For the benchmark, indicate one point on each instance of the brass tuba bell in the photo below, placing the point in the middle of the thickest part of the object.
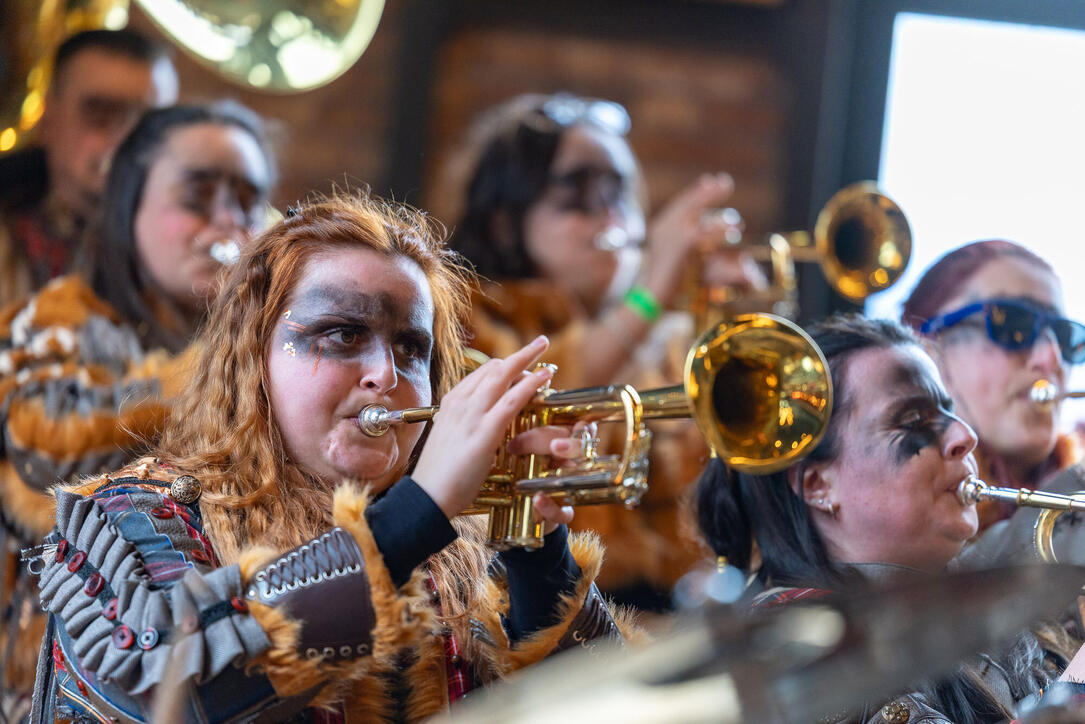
(281, 46)
(758, 388)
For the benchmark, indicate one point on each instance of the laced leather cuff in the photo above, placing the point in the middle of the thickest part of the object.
(322, 584)
(592, 624)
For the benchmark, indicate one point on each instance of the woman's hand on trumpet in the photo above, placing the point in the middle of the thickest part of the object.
(474, 417)
(561, 444)
(472, 422)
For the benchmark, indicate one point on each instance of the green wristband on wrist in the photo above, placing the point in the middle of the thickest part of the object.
(644, 304)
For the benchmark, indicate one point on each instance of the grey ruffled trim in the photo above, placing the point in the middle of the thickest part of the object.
(201, 654)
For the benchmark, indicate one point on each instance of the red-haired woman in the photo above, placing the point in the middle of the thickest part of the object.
(270, 533)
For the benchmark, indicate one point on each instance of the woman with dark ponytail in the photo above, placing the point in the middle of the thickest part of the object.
(875, 501)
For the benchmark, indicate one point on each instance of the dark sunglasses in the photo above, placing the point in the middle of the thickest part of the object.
(589, 189)
(1015, 325)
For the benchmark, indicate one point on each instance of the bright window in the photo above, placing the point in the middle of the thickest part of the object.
(985, 138)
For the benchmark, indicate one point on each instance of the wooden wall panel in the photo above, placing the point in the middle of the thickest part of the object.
(693, 110)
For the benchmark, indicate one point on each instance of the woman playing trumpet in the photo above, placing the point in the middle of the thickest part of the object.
(553, 215)
(991, 314)
(87, 372)
(877, 500)
(241, 543)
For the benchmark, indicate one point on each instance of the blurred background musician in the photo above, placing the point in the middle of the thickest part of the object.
(553, 217)
(876, 501)
(50, 193)
(992, 316)
(89, 372)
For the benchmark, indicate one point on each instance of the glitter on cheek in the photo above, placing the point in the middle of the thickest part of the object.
(286, 314)
(289, 349)
(319, 352)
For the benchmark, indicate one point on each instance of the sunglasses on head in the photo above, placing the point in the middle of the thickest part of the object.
(1015, 325)
(565, 110)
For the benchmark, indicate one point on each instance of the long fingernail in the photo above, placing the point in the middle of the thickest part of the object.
(540, 341)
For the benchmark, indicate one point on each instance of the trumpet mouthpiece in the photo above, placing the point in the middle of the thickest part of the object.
(374, 420)
(1043, 392)
(225, 252)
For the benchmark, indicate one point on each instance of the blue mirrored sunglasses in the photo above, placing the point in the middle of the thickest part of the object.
(1015, 325)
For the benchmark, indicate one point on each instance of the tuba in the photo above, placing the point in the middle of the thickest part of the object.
(282, 46)
(758, 388)
(861, 239)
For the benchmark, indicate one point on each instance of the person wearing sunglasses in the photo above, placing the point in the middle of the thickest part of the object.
(553, 213)
(991, 314)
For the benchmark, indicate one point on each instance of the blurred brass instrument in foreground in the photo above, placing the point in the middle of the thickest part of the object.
(757, 387)
(973, 490)
(282, 46)
(861, 239)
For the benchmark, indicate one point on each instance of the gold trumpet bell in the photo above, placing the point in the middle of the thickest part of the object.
(863, 241)
(760, 391)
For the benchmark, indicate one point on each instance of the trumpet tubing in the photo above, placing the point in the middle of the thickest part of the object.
(973, 490)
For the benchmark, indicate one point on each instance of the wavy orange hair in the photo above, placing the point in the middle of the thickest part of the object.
(222, 429)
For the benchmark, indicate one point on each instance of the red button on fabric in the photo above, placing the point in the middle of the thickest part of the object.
(95, 582)
(162, 513)
(239, 605)
(62, 550)
(110, 609)
(77, 561)
(123, 637)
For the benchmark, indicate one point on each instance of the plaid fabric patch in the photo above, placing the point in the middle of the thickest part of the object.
(783, 596)
(168, 535)
(456, 669)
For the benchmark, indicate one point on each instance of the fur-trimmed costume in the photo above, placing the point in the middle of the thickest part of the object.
(656, 543)
(137, 597)
(77, 395)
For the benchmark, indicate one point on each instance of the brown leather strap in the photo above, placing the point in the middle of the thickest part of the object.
(324, 585)
(591, 625)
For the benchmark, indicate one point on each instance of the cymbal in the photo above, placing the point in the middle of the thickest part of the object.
(802, 662)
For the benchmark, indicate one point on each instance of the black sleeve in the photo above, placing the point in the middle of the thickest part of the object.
(536, 580)
(408, 528)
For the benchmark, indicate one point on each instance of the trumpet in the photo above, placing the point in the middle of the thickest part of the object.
(973, 490)
(861, 239)
(1045, 394)
(758, 388)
